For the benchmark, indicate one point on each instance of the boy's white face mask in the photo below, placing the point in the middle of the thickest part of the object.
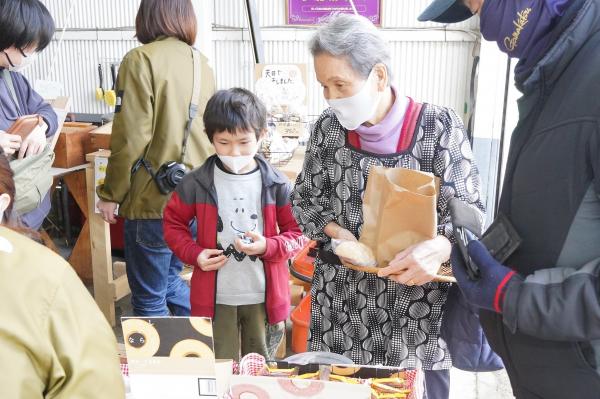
(237, 163)
(357, 109)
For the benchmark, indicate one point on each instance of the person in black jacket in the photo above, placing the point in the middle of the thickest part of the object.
(541, 311)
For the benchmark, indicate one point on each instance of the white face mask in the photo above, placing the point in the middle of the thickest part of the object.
(357, 109)
(235, 164)
(26, 61)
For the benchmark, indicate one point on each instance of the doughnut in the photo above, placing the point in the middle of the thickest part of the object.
(238, 390)
(141, 338)
(344, 370)
(203, 325)
(192, 348)
(306, 390)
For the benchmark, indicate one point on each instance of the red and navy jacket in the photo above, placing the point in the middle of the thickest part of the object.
(196, 197)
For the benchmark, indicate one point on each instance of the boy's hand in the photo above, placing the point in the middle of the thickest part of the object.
(211, 259)
(257, 248)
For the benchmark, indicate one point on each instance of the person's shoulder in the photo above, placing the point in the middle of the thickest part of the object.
(30, 266)
(443, 117)
(135, 58)
(326, 120)
(196, 180)
(16, 248)
(326, 130)
(277, 176)
(165, 49)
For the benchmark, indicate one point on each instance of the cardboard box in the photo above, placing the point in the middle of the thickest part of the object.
(271, 387)
(290, 388)
(70, 148)
(171, 357)
(100, 138)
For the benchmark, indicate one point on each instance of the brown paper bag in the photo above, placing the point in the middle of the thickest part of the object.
(399, 210)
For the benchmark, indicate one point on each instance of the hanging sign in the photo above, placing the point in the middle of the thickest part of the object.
(311, 12)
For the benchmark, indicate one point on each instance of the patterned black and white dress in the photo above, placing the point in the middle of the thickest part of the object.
(368, 319)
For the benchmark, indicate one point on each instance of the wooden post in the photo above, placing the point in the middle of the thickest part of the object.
(107, 289)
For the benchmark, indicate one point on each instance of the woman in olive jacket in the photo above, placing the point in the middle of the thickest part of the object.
(154, 92)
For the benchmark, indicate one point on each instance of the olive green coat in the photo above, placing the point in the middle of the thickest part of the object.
(54, 341)
(154, 89)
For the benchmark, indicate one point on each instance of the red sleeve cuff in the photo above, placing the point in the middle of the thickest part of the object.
(500, 291)
(271, 249)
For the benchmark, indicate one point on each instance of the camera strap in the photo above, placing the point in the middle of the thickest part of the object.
(192, 113)
(194, 103)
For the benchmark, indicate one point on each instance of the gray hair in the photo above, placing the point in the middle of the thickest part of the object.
(354, 37)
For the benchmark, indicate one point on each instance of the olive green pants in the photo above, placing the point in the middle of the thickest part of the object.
(245, 324)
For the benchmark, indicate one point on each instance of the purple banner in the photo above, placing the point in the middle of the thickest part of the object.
(311, 12)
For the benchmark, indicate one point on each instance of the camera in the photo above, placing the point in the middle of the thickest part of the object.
(169, 175)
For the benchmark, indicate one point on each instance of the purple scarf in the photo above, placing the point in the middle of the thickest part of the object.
(521, 27)
(382, 138)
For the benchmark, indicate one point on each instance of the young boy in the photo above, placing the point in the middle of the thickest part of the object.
(246, 231)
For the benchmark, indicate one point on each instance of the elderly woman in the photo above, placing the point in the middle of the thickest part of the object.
(392, 318)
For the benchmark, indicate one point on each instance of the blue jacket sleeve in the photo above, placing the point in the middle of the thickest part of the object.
(33, 103)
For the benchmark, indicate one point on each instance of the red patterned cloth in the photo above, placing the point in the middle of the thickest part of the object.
(252, 364)
(414, 382)
(125, 369)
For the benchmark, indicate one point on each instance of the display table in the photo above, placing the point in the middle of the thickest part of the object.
(107, 288)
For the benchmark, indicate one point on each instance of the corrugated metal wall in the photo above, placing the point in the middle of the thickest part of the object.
(428, 67)
(435, 69)
(92, 14)
(99, 31)
(77, 69)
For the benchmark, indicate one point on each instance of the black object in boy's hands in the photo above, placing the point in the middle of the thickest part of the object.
(245, 239)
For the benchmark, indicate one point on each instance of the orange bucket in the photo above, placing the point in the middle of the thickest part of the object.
(303, 266)
(300, 321)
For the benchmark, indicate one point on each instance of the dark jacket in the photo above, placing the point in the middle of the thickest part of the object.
(549, 333)
(196, 197)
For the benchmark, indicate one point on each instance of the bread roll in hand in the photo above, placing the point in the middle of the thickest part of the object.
(356, 253)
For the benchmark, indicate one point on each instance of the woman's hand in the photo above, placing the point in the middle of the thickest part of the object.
(107, 210)
(418, 264)
(211, 259)
(35, 142)
(10, 143)
(258, 247)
